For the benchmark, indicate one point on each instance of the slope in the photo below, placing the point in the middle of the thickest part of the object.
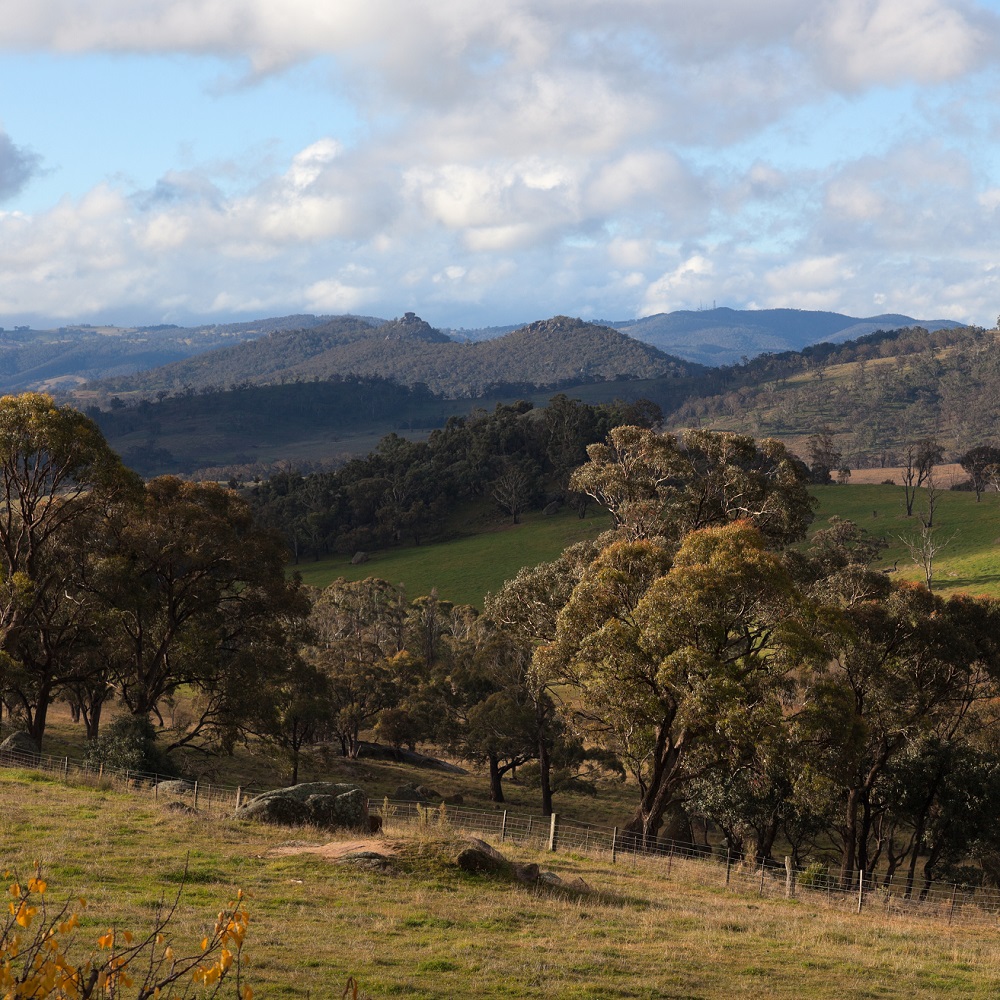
(551, 353)
(724, 336)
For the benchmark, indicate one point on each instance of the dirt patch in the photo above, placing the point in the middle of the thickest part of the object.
(338, 849)
(944, 475)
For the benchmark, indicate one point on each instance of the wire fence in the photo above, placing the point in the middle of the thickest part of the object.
(206, 798)
(892, 893)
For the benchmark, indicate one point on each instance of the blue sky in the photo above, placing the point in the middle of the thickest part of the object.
(486, 164)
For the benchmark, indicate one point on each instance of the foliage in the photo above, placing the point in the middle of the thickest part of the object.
(129, 743)
(405, 490)
(39, 953)
(659, 485)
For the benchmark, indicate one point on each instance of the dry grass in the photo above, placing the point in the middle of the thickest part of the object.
(426, 929)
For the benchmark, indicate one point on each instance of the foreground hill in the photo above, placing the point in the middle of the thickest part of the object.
(418, 926)
(551, 353)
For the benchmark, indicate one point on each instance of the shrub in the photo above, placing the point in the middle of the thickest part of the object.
(129, 744)
(38, 959)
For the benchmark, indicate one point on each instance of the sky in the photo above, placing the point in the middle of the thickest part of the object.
(181, 161)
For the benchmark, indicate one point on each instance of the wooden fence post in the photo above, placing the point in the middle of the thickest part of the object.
(789, 878)
(196, 795)
(729, 863)
(554, 832)
(239, 797)
(760, 891)
(861, 889)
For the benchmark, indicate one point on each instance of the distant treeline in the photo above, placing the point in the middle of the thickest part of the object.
(517, 456)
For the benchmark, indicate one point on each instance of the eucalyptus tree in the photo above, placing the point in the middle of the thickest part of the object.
(59, 483)
(675, 659)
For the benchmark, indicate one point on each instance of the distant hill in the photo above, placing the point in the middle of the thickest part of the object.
(554, 353)
(67, 356)
(725, 336)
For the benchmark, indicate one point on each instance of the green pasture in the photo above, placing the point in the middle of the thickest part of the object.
(969, 562)
(466, 569)
(417, 926)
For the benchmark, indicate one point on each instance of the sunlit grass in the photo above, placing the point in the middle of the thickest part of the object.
(429, 930)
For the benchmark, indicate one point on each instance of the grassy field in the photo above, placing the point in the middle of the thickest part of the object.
(969, 563)
(466, 569)
(425, 929)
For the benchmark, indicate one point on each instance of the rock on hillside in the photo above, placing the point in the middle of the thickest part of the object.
(326, 804)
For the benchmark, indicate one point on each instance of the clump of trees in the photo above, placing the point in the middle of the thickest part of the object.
(516, 457)
(109, 586)
(766, 688)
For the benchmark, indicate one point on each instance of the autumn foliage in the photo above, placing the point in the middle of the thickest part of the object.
(42, 954)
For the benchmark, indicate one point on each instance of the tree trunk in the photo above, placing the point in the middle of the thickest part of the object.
(850, 835)
(496, 788)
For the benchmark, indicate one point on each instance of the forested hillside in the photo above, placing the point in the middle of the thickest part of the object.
(876, 395)
(725, 336)
(553, 353)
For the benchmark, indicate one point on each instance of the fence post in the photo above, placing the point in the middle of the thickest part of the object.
(729, 863)
(156, 788)
(503, 827)
(208, 801)
(554, 832)
(527, 836)
(100, 773)
(760, 891)
(861, 889)
(789, 878)
(954, 893)
(614, 845)
(239, 797)
(66, 769)
(670, 859)
(196, 795)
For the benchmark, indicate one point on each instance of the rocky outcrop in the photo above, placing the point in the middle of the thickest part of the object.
(326, 804)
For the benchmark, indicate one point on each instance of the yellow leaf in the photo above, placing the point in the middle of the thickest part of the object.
(204, 944)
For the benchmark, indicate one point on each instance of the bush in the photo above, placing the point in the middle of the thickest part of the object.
(129, 744)
(815, 875)
(37, 959)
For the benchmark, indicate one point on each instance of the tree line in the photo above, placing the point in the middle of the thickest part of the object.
(516, 457)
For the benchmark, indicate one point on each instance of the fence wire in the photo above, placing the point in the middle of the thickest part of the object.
(894, 893)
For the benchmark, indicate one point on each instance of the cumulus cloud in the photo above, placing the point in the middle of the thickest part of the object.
(17, 166)
(560, 154)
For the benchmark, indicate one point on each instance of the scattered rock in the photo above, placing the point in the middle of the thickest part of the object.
(20, 745)
(327, 804)
(181, 807)
(482, 859)
(371, 861)
(409, 793)
(374, 824)
(376, 751)
(359, 558)
(175, 786)
(527, 873)
(428, 793)
(550, 877)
